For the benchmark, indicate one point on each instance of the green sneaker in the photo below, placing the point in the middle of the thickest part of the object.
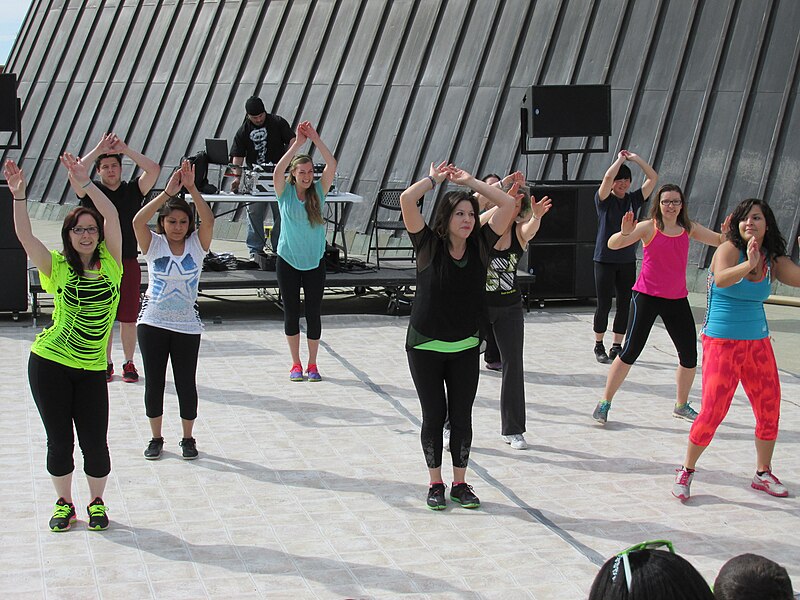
(462, 493)
(600, 413)
(63, 516)
(685, 412)
(436, 500)
(98, 521)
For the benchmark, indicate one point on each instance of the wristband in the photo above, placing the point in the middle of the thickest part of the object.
(535, 218)
(433, 181)
(20, 199)
(624, 234)
(88, 183)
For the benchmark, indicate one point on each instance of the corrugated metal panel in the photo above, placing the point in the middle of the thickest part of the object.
(704, 89)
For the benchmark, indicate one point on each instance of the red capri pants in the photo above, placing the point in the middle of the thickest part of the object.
(725, 364)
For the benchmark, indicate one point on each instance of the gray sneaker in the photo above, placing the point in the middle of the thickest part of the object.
(517, 441)
(685, 412)
(600, 413)
(683, 481)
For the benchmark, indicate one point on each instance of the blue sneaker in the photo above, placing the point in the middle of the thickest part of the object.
(313, 373)
(296, 374)
(600, 413)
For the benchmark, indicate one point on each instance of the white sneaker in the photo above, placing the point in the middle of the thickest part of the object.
(517, 441)
(770, 484)
(446, 440)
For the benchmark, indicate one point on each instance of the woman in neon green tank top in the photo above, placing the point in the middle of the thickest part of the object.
(66, 369)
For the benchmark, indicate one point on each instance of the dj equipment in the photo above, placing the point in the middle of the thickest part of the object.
(257, 180)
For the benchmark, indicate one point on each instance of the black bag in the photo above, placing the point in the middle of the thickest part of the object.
(200, 162)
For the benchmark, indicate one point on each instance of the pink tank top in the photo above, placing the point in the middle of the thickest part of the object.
(664, 264)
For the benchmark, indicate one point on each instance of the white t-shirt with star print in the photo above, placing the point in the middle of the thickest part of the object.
(171, 298)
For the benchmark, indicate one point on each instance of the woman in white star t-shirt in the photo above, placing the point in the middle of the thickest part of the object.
(169, 325)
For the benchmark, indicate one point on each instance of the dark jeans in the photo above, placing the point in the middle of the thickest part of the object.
(508, 325)
(256, 211)
(65, 396)
(290, 280)
(157, 346)
(608, 278)
(446, 384)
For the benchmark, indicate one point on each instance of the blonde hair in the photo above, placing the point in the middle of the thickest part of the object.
(312, 202)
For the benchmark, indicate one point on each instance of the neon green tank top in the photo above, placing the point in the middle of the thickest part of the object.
(83, 313)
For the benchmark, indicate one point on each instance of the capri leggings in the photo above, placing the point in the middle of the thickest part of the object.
(65, 395)
(290, 280)
(446, 384)
(725, 364)
(677, 318)
(608, 279)
(157, 345)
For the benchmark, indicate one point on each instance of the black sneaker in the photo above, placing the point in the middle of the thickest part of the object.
(614, 352)
(436, 499)
(462, 493)
(109, 372)
(63, 516)
(98, 521)
(600, 354)
(129, 372)
(189, 448)
(153, 450)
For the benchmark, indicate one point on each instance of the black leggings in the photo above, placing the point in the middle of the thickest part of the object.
(678, 319)
(158, 345)
(64, 396)
(608, 278)
(313, 283)
(446, 384)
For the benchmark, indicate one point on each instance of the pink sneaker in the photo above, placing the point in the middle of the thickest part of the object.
(683, 481)
(313, 373)
(296, 374)
(770, 484)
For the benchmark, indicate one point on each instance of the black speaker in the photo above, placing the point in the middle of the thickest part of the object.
(568, 110)
(8, 235)
(9, 116)
(562, 270)
(572, 216)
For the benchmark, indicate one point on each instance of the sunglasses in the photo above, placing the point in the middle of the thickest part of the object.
(626, 563)
(91, 230)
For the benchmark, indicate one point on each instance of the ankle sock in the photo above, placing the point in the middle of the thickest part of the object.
(687, 470)
(761, 473)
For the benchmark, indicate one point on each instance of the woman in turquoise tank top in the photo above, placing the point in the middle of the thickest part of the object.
(736, 344)
(67, 365)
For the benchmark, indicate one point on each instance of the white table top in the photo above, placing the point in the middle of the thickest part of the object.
(340, 197)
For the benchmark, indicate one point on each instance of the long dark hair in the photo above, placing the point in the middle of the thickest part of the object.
(70, 254)
(312, 202)
(683, 216)
(175, 203)
(774, 242)
(445, 209)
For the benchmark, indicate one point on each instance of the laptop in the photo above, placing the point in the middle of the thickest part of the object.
(217, 150)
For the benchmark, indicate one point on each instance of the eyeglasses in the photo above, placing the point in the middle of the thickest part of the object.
(671, 202)
(652, 545)
(91, 230)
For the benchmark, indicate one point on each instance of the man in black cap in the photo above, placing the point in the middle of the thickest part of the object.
(262, 138)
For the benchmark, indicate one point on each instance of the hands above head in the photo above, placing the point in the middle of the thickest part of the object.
(628, 223)
(541, 207)
(440, 172)
(77, 170)
(309, 131)
(175, 182)
(515, 177)
(459, 176)
(302, 132)
(187, 176)
(15, 178)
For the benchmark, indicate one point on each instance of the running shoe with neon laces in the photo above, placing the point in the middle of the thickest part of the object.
(63, 516)
(129, 372)
(685, 412)
(296, 374)
(189, 447)
(98, 521)
(600, 413)
(154, 448)
(462, 493)
(683, 481)
(313, 373)
(516, 441)
(770, 484)
(436, 499)
(109, 372)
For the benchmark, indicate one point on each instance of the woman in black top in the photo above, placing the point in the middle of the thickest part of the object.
(449, 309)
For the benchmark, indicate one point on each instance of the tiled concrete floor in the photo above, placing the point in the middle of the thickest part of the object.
(317, 490)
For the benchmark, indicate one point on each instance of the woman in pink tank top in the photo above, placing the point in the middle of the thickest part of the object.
(660, 291)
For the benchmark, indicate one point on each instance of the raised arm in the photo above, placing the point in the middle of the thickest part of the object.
(706, 236)
(150, 168)
(485, 204)
(608, 178)
(102, 147)
(409, 199)
(205, 232)
(501, 218)
(140, 220)
(650, 175)
(530, 228)
(631, 232)
(330, 162)
(79, 176)
(279, 174)
(34, 248)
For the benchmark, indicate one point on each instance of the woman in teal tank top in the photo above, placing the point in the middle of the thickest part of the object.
(67, 365)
